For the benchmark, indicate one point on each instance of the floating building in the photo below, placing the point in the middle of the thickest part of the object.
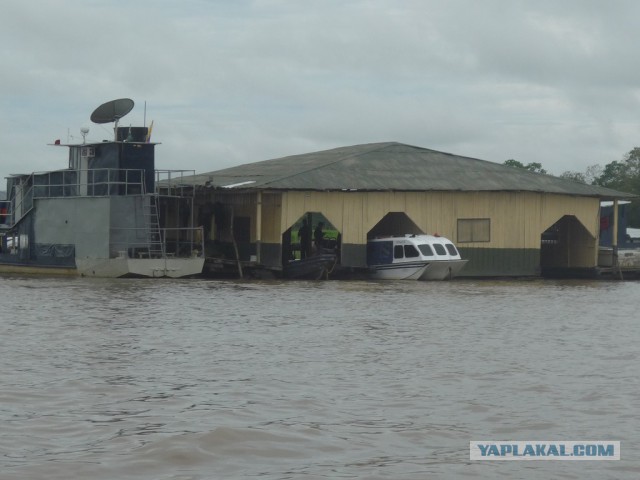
(506, 221)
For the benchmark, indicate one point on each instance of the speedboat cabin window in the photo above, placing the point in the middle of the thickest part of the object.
(405, 251)
(451, 249)
(410, 251)
(440, 250)
(426, 250)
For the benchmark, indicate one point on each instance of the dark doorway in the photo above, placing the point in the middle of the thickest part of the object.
(312, 234)
(394, 224)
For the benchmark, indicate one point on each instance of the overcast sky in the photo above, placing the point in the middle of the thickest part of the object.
(231, 82)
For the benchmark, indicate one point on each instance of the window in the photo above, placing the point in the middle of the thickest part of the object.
(474, 230)
(426, 250)
(410, 251)
(451, 249)
(398, 252)
(439, 248)
(74, 158)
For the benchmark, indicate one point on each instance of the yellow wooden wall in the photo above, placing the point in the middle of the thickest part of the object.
(517, 218)
(271, 218)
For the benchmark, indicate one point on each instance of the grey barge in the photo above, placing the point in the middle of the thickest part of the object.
(109, 214)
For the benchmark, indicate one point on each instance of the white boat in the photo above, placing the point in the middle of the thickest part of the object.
(109, 214)
(413, 257)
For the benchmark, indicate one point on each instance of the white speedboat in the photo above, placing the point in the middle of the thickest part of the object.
(413, 257)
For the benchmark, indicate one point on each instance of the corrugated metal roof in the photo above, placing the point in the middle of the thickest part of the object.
(392, 166)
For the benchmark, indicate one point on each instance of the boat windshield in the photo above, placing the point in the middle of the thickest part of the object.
(439, 249)
(426, 250)
(452, 249)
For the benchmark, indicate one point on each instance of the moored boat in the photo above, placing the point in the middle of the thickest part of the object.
(413, 257)
(316, 267)
(109, 214)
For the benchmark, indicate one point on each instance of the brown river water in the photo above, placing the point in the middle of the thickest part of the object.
(201, 379)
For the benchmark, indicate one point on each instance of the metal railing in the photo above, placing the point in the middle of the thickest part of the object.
(133, 242)
(175, 182)
(20, 204)
(5, 214)
(99, 182)
(90, 182)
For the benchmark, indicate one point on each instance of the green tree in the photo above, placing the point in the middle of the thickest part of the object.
(532, 167)
(589, 176)
(593, 172)
(575, 176)
(624, 176)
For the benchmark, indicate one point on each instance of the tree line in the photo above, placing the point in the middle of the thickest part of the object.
(622, 175)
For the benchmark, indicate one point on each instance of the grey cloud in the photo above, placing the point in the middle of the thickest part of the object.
(234, 82)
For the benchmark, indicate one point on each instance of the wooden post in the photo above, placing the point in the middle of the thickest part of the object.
(614, 240)
(259, 227)
(235, 245)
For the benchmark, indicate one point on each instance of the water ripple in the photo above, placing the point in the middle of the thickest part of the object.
(200, 379)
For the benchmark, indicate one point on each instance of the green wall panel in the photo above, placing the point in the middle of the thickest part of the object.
(492, 262)
(483, 262)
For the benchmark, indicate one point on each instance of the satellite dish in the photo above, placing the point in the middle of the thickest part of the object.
(112, 111)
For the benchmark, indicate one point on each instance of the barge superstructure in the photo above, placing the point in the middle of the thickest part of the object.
(109, 214)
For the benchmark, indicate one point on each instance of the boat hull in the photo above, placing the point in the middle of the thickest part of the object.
(399, 271)
(312, 268)
(114, 268)
(140, 267)
(45, 270)
(443, 270)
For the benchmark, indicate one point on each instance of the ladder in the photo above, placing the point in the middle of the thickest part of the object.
(155, 244)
